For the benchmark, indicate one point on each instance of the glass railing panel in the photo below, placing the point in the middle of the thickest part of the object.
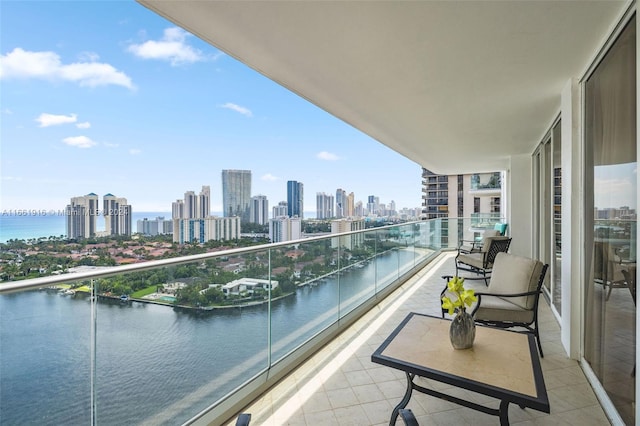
(387, 259)
(308, 274)
(172, 341)
(357, 271)
(45, 358)
(181, 338)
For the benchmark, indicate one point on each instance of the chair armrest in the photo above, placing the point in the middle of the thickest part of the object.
(528, 293)
(475, 246)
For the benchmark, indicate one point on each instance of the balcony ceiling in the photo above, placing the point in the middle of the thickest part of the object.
(454, 86)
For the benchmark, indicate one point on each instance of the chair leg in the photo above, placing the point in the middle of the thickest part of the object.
(538, 338)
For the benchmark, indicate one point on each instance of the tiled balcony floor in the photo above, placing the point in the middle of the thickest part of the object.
(340, 385)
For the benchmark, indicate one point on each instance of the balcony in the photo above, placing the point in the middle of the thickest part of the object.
(74, 352)
(340, 384)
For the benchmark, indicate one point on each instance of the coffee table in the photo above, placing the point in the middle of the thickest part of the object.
(501, 364)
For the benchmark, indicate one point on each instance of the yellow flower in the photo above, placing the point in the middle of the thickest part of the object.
(447, 304)
(463, 297)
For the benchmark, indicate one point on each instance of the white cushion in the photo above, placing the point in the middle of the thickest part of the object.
(515, 274)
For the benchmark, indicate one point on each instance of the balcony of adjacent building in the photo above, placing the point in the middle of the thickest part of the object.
(485, 184)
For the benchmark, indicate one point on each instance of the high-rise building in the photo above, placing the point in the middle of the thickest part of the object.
(280, 210)
(204, 202)
(285, 228)
(346, 225)
(117, 215)
(324, 205)
(124, 218)
(341, 202)
(157, 226)
(259, 211)
(350, 208)
(236, 193)
(201, 230)
(177, 209)
(475, 196)
(359, 209)
(190, 205)
(81, 215)
(295, 199)
(372, 204)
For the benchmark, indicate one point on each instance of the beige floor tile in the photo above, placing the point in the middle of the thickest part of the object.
(360, 392)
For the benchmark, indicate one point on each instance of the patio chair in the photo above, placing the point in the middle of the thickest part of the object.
(511, 299)
(481, 262)
(607, 268)
(474, 246)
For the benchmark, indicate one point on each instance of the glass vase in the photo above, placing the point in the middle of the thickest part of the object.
(462, 331)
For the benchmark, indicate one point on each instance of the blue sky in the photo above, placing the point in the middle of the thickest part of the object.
(108, 97)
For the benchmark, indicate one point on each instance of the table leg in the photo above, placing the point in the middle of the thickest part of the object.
(405, 400)
(504, 413)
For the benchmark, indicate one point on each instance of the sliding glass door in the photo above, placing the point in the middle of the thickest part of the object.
(611, 221)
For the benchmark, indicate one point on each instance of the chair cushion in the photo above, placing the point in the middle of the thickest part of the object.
(497, 309)
(485, 238)
(472, 259)
(501, 228)
(515, 274)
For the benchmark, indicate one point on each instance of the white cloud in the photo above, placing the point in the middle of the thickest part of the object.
(111, 145)
(135, 151)
(172, 47)
(269, 177)
(88, 57)
(84, 125)
(20, 63)
(12, 178)
(237, 108)
(79, 141)
(327, 156)
(7, 111)
(47, 120)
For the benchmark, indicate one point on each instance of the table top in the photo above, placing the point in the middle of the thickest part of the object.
(502, 364)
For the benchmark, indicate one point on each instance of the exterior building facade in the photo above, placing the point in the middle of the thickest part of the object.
(285, 228)
(82, 213)
(236, 193)
(324, 205)
(295, 199)
(259, 210)
(280, 210)
(350, 210)
(117, 215)
(372, 204)
(177, 209)
(203, 205)
(157, 226)
(190, 205)
(474, 196)
(345, 225)
(206, 229)
(341, 201)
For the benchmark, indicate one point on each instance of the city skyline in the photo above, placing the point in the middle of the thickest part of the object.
(111, 98)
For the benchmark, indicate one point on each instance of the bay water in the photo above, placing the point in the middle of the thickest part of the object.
(155, 364)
